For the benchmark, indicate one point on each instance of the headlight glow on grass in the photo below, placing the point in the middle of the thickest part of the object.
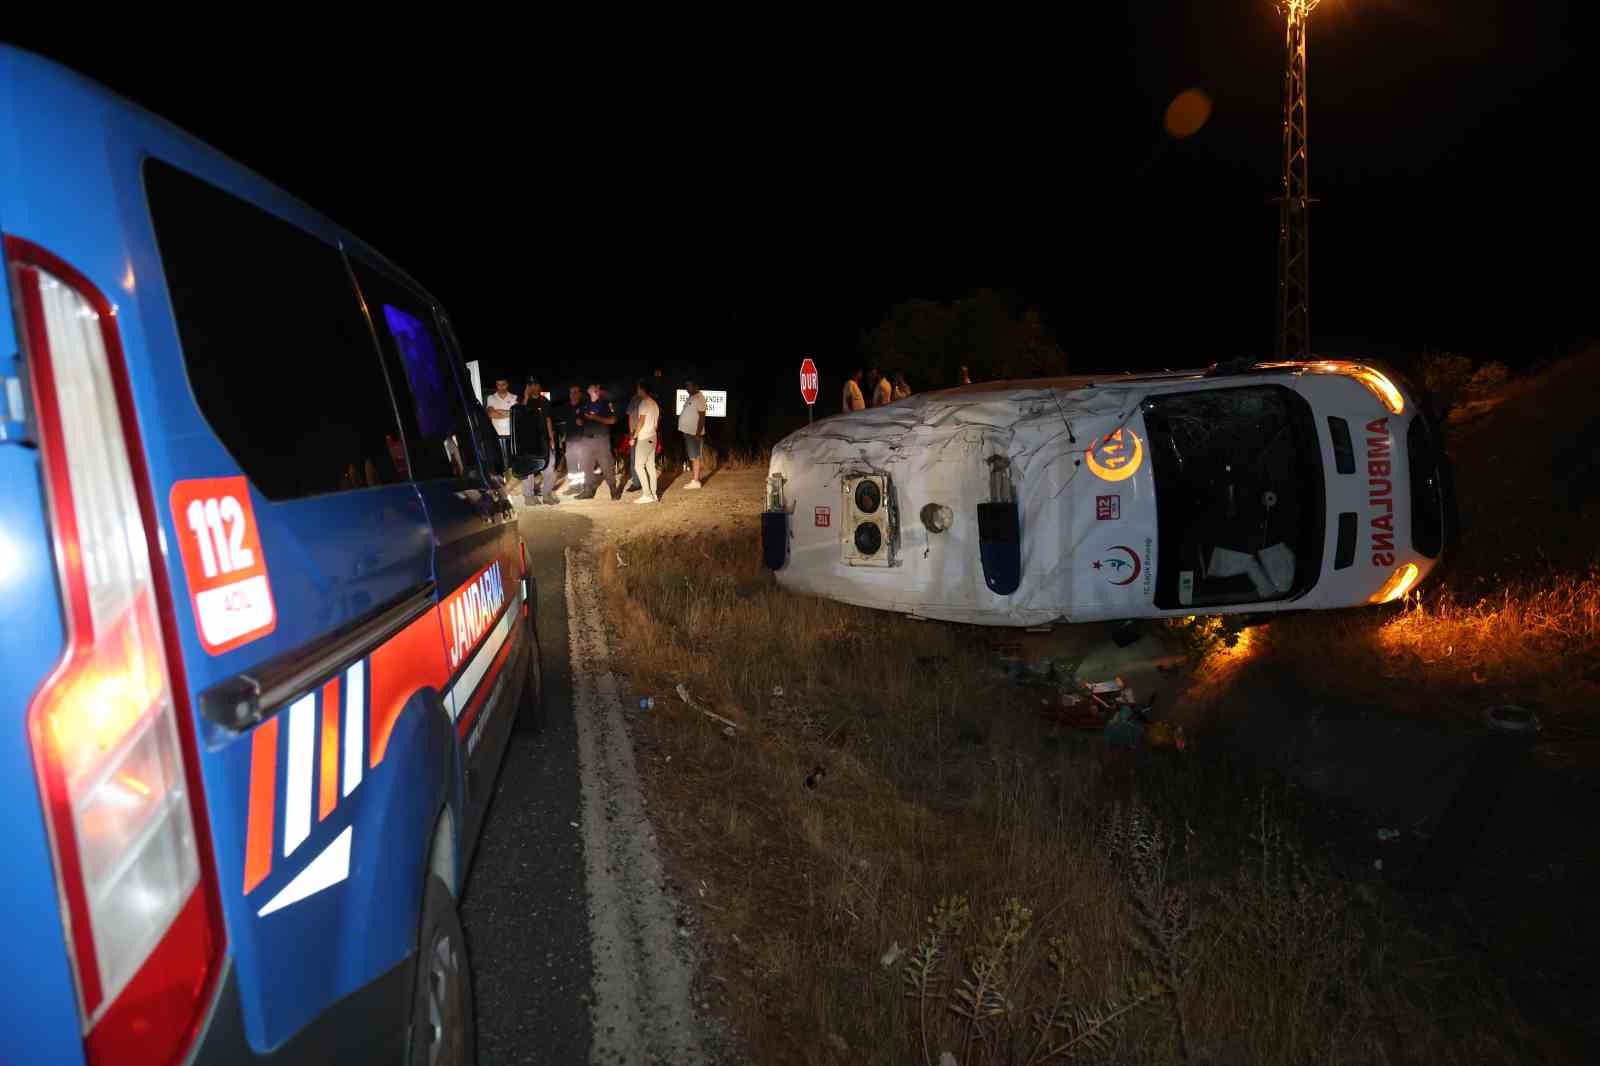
(1398, 585)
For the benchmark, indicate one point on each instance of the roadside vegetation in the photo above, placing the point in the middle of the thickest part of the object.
(899, 857)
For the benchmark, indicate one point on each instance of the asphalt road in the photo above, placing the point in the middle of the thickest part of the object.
(525, 907)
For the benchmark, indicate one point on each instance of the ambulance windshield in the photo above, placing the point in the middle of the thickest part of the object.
(1239, 495)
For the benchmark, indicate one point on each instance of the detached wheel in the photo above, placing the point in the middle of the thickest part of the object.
(443, 1025)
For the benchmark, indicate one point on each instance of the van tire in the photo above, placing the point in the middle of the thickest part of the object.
(443, 1019)
(530, 702)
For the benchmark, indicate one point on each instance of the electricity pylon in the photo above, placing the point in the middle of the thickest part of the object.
(1294, 200)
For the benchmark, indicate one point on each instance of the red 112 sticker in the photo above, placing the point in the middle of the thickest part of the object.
(221, 549)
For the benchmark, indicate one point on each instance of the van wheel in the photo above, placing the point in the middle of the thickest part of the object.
(530, 704)
(443, 1026)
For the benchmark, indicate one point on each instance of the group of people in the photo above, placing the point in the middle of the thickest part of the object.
(586, 426)
(880, 390)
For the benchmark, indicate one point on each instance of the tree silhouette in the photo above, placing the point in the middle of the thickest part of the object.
(990, 332)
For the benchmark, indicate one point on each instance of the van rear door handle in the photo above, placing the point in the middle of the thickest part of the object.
(245, 699)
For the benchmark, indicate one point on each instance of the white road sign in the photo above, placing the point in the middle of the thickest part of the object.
(716, 402)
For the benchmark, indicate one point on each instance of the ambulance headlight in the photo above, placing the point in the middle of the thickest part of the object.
(1400, 582)
(1376, 382)
(1381, 387)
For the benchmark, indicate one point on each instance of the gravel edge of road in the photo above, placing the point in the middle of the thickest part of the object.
(643, 970)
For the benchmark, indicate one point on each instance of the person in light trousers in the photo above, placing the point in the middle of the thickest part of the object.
(648, 420)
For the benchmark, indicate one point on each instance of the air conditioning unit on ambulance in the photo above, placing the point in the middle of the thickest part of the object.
(869, 534)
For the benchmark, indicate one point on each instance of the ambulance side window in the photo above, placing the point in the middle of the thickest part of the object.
(277, 354)
(438, 433)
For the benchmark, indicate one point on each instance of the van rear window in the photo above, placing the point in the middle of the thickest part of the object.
(280, 358)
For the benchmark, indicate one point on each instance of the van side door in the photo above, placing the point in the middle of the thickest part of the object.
(477, 563)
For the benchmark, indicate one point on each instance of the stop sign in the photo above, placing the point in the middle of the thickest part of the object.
(808, 381)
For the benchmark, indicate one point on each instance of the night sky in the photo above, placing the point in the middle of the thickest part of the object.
(733, 193)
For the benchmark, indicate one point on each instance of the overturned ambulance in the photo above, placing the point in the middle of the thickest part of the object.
(1266, 487)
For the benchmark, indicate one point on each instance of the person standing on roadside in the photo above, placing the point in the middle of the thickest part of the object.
(692, 424)
(597, 417)
(647, 419)
(632, 439)
(902, 387)
(963, 377)
(534, 419)
(882, 391)
(572, 433)
(852, 400)
(499, 404)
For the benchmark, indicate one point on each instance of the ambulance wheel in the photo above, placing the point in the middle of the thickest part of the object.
(443, 1029)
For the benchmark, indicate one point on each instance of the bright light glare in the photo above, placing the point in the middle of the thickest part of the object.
(1398, 585)
(102, 702)
(1376, 381)
(1381, 387)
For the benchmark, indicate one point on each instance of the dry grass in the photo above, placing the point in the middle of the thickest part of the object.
(967, 877)
(1535, 643)
(740, 458)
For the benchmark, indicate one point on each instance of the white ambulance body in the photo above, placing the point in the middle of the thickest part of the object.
(1283, 487)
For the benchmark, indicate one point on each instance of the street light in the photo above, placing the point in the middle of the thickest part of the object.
(1294, 199)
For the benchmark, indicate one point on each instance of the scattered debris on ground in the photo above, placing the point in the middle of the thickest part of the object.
(730, 727)
(1083, 684)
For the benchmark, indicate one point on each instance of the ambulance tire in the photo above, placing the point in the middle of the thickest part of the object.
(443, 1019)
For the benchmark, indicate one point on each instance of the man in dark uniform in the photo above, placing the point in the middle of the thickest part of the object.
(571, 422)
(597, 417)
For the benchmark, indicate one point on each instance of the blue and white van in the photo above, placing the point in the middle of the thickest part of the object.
(264, 606)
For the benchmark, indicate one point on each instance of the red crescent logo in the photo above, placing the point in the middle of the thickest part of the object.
(1137, 565)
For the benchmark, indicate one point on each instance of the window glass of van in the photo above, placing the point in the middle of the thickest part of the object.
(280, 359)
(431, 407)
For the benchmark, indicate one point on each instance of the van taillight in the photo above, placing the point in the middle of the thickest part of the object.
(115, 759)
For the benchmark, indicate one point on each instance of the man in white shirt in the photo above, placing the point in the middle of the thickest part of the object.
(647, 418)
(499, 403)
(692, 424)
